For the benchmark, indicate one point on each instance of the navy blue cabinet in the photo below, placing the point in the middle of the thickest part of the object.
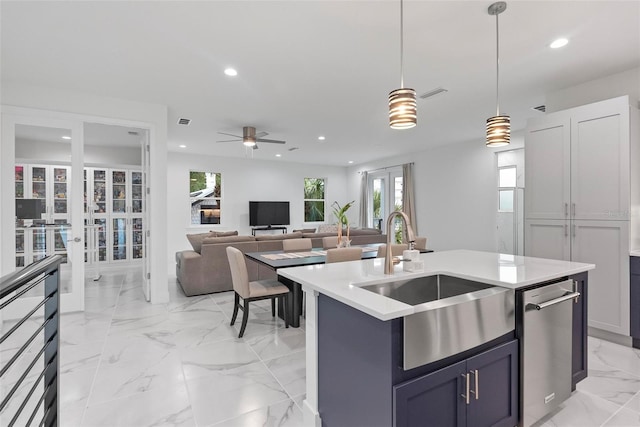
(635, 300)
(580, 326)
(479, 391)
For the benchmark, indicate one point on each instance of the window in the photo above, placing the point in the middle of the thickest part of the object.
(314, 199)
(205, 196)
(507, 178)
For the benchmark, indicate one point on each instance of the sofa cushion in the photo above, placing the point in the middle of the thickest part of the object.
(196, 240)
(227, 239)
(224, 233)
(296, 235)
(364, 231)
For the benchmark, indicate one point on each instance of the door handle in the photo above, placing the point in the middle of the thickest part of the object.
(476, 392)
(573, 210)
(466, 397)
(573, 230)
(75, 239)
(554, 301)
(566, 210)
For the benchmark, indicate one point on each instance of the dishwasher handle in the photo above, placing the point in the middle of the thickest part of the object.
(554, 301)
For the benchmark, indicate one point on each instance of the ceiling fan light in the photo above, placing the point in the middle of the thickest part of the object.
(498, 131)
(403, 112)
(249, 142)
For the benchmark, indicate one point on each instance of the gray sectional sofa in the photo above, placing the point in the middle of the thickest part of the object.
(205, 268)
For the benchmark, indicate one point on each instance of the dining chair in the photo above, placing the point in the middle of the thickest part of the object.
(396, 249)
(420, 243)
(343, 254)
(296, 245)
(252, 291)
(329, 242)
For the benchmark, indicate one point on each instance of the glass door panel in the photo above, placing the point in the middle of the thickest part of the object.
(39, 182)
(119, 246)
(60, 190)
(100, 191)
(138, 239)
(19, 182)
(119, 189)
(101, 237)
(136, 192)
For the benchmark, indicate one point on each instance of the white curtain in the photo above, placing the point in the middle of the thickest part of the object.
(364, 199)
(408, 196)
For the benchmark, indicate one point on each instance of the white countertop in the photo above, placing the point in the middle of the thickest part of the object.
(342, 281)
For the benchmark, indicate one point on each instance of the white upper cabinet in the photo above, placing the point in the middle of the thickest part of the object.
(547, 166)
(600, 161)
(577, 163)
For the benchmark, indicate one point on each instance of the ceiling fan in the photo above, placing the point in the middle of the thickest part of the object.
(250, 138)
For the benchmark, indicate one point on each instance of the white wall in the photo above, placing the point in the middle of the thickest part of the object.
(619, 84)
(97, 109)
(456, 193)
(60, 152)
(243, 180)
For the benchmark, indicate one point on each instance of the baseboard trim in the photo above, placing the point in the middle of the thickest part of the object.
(610, 336)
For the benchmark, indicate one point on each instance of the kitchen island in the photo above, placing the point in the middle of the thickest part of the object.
(354, 339)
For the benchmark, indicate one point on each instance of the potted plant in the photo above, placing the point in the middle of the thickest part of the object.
(341, 215)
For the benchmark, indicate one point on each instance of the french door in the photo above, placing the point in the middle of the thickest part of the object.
(58, 228)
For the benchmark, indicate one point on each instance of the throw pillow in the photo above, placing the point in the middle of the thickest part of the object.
(328, 228)
(196, 240)
(225, 233)
(305, 230)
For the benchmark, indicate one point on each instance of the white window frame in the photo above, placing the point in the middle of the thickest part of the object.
(324, 201)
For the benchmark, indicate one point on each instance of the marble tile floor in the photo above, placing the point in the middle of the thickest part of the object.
(125, 362)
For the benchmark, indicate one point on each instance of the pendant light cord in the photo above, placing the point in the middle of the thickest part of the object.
(497, 67)
(401, 45)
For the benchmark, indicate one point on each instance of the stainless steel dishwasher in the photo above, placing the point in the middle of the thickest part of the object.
(546, 347)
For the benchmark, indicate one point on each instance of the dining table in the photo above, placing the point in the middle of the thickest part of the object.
(281, 259)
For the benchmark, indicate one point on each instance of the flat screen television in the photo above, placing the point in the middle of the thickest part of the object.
(29, 208)
(268, 213)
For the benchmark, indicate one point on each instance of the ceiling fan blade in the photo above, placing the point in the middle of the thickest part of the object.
(273, 141)
(230, 134)
(230, 140)
(261, 134)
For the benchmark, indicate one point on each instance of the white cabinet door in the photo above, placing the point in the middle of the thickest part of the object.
(547, 238)
(605, 244)
(547, 163)
(600, 161)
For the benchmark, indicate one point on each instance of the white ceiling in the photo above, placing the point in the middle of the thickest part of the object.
(310, 68)
(95, 134)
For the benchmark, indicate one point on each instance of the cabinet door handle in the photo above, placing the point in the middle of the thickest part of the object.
(573, 210)
(566, 209)
(573, 230)
(466, 397)
(476, 392)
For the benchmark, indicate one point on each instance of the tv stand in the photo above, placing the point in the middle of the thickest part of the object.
(269, 227)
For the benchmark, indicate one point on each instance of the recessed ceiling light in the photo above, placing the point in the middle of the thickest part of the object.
(278, 155)
(66, 137)
(558, 43)
(182, 146)
(350, 161)
(321, 138)
(231, 72)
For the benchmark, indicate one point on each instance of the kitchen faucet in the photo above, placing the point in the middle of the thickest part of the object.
(388, 258)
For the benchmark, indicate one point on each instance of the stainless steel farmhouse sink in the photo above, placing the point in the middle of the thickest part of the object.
(451, 315)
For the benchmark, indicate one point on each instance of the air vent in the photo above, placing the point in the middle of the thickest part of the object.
(541, 108)
(294, 148)
(133, 133)
(433, 92)
(185, 122)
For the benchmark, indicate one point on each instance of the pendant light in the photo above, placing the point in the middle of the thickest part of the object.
(402, 102)
(498, 126)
